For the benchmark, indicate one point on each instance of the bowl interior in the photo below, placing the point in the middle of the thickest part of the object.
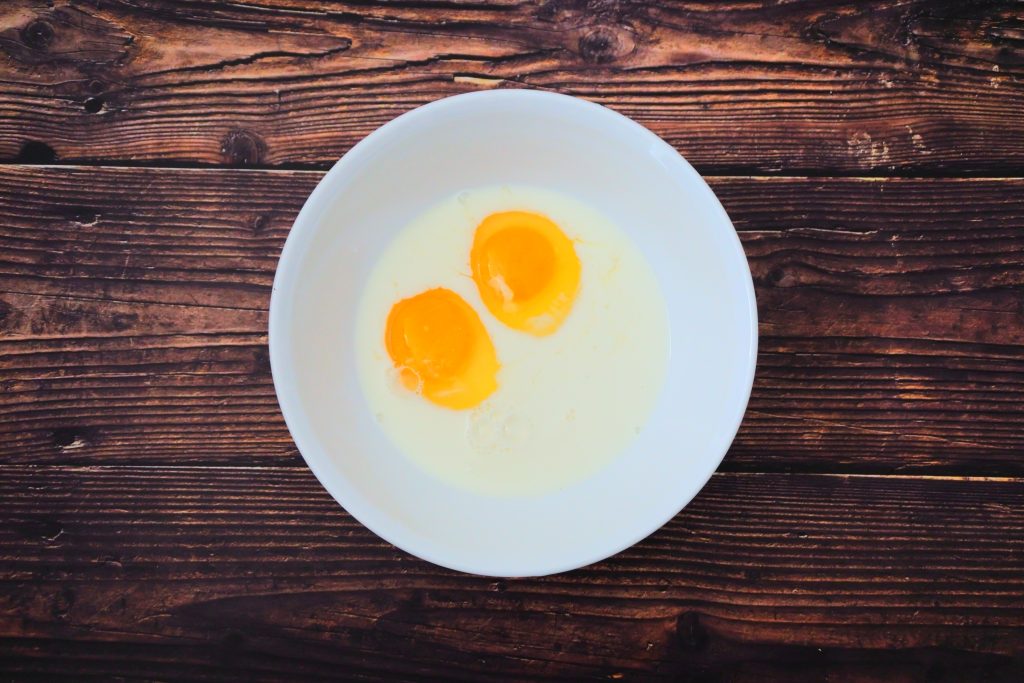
(562, 144)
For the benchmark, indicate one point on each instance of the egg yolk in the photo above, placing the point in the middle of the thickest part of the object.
(441, 349)
(526, 270)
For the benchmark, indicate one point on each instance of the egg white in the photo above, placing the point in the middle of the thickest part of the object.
(566, 404)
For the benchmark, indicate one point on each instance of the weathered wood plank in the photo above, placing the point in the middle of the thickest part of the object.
(133, 318)
(124, 571)
(893, 85)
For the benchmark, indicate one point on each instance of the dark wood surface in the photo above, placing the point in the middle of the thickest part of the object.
(850, 86)
(156, 522)
(179, 573)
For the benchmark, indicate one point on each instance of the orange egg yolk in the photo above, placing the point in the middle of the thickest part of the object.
(441, 349)
(526, 270)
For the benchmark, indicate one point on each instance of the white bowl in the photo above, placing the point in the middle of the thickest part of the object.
(560, 143)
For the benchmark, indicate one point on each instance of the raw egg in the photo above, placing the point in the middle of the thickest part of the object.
(526, 270)
(441, 349)
(540, 282)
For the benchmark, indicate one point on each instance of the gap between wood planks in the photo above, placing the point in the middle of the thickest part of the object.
(299, 469)
(704, 170)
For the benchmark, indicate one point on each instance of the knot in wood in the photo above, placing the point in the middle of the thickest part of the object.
(691, 634)
(41, 528)
(604, 44)
(243, 148)
(35, 152)
(71, 438)
(261, 362)
(778, 276)
(119, 322)
(37, 34)
(82, 215)
(260, 223)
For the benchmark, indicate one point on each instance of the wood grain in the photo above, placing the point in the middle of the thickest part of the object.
(189, 574)
(918, 86)
(134, 367)
(133, 318)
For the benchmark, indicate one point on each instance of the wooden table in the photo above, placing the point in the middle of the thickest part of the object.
(156, 521)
